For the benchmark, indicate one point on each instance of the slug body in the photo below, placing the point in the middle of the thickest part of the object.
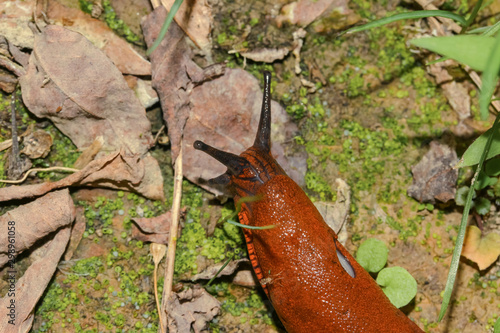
(314, 284)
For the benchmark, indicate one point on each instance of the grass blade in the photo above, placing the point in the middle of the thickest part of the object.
(405, 16)
(452, 273)
(164, 27)
(473, 15)
(473, 51)
(489, 78)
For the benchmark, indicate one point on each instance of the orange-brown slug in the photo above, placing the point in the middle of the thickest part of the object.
(314, 284)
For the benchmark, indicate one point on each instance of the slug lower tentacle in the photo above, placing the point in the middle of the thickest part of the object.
(314, 284)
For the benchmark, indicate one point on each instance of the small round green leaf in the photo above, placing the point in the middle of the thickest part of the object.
(372, 255)
(398, 285)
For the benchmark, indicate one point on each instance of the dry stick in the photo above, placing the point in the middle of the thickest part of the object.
(172, 242)
(37, 170)
(14, 152)
(155, 3)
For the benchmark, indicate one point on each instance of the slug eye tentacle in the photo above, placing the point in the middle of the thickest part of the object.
(234, 163)
(263, 137)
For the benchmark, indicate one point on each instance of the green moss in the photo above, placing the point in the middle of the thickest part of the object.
(90, 266)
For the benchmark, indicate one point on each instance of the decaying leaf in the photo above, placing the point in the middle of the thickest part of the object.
(25, 227)
(434, 176)
(304, 12)
(191, 309)
(155, 229)
(77, 231)
(35, 220)
(14, 22)
(114, 171)
(482, 249)
(37, 144)
(195, 18)
(266, 55)
(30, 287)
(223, 111)
(89, 153)
(121, 53)
(75, 85)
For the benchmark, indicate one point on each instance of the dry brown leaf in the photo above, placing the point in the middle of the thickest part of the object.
(190, 309)
(155, 229)
(482, 249)
(30, 287)
(77, 231)
(266, 55)
(121, 53)
(434, 176)
(37, 144)
(304, 12)
(14, 18)
(115, 171)
(75, 85)
(195, 18)
(222, 111)
(246, 278)
(35, 220)
(89, 153)
(95, 102)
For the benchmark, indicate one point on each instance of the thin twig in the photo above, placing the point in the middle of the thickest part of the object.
(14, 152)
(172, 242)
(158, 134)
(37, 170)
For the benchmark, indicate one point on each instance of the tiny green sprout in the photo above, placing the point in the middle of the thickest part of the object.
(372, 255)
(398, 285)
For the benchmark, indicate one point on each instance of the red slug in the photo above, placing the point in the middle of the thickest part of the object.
(314, 284)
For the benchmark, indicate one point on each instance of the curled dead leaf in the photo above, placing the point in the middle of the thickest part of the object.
(37, 144)
(191, 309)
(96, 102)
(35, 220)
(121, 53)
(481, 249)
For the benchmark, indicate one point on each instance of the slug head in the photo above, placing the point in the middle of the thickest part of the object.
(255, 166)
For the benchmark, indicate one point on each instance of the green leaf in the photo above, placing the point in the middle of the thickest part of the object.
(472, 51)
(398, 285)
(492, 167)
(484, 181)
(406, 16)
(497, 326)
(482, 206)
(372, 255)
(473, 153)
(489, 78)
